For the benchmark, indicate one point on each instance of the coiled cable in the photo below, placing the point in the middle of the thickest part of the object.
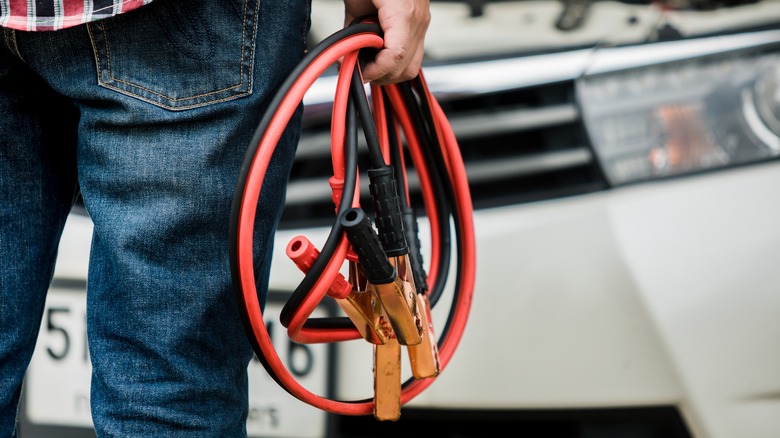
(405, 111)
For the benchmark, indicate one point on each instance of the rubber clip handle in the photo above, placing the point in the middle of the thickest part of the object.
(365, 242)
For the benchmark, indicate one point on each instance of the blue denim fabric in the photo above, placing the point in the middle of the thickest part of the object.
(148, 114)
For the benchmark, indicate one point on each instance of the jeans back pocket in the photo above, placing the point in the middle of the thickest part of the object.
(178, 54)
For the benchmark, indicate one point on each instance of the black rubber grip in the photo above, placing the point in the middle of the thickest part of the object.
(415, 254)
(365, 243)
(387, 207)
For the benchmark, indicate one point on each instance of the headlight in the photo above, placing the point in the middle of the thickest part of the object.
(711, 109)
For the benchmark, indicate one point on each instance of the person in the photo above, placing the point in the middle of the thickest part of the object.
(145, 108)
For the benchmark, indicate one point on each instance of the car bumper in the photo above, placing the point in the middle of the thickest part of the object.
(649, 295)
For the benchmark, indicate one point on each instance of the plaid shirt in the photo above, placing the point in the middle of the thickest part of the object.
(58, 14)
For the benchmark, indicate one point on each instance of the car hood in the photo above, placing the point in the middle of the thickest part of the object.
(479, 29)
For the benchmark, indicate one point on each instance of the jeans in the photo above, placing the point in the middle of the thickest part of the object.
(147, 115)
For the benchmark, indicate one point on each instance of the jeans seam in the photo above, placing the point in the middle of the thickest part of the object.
(101, 28)
(11, 43)
(254, 45)
(306, 26)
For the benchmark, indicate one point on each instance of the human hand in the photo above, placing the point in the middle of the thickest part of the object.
(404, 23)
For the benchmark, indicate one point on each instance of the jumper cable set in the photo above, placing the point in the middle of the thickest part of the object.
(389, 290)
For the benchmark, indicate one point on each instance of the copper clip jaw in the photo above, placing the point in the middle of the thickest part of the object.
(424, 357)
(399, 301)
(364, 309)
(387, 380)
(385, 309)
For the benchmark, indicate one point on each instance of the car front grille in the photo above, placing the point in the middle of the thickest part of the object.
(523, 145)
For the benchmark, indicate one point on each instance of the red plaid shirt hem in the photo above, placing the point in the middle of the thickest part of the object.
(43, 15)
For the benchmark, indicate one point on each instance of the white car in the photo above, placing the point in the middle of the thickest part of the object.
(623, 164)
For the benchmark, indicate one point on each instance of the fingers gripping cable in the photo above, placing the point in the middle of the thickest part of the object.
(389, 291)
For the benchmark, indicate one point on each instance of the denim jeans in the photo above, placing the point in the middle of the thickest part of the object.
(147, 115)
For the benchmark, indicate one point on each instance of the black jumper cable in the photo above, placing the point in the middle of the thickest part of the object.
(388, 294)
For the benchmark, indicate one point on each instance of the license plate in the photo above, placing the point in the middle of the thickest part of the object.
(58, 380)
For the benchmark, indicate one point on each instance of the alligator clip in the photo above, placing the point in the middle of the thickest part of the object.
(381, 300)
(390, 280)
(387, 380)
(361, 306)
(424, 357)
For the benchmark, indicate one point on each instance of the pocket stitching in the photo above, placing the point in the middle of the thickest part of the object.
(112, 79)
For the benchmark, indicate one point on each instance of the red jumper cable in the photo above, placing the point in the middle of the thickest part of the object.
(388, 295)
